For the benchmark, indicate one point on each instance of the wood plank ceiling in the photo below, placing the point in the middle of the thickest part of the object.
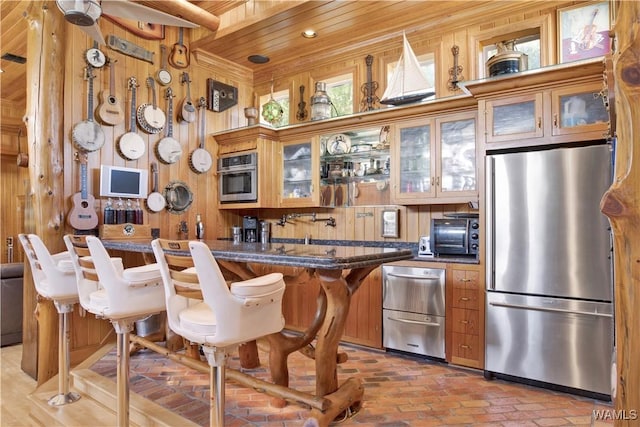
(273, 28)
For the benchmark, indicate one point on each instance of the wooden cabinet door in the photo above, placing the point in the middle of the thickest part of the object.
(413, 162)
(513, 118)
(456, 154)
(299, 174)
(578, 110)
(364, 321)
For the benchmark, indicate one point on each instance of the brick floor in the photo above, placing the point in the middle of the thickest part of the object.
(400, 390)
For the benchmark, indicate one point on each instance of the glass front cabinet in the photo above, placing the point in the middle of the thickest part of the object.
(300, 170)
(436, 160)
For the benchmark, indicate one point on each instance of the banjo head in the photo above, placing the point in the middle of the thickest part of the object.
(200, 160)
(156, 202)
(168, 150)
(131, 146)
(88, 136)
(151, 119)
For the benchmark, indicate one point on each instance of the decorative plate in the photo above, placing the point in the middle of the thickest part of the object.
(339, 144)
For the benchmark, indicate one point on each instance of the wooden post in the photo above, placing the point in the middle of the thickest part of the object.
(622, 205)
(46, 41)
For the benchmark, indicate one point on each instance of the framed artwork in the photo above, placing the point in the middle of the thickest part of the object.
(583, 31)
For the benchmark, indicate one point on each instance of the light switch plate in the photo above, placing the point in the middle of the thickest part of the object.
(390, 223)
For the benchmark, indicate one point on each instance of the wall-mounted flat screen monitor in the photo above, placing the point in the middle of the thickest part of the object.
(129, 183)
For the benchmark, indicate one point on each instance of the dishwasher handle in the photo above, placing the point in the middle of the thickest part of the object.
(413, 322)
(548, 309)
(413, 276)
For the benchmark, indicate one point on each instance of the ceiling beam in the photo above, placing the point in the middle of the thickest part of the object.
(185, 10)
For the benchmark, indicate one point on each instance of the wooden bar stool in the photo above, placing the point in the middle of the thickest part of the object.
(121, 295)
(227, 317)
(54, 279)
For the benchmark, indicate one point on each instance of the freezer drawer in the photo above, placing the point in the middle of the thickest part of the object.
(413, 333)
(418, 290)
(554, 340)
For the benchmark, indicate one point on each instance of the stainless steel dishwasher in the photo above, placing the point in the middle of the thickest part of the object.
(413, 310)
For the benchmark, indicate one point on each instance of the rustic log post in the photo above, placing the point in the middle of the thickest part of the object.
(46, 41)
(621, 204)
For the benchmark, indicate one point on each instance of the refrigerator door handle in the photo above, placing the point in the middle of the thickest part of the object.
(553, 310)
(414, 322)
(490, 273)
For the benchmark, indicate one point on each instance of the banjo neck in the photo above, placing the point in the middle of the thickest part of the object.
(133, 84)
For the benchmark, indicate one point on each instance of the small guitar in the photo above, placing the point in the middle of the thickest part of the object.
(369, 88)
(83, 216)
(187, 112)
(88, 135)
(109, 110)
(150, 117)
(301, 115)
(179, 57)
(455, 72)
(131, 145)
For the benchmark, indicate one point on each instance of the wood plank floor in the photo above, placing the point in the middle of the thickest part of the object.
(15, 385)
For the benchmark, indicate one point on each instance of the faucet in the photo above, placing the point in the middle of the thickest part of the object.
(282, 221)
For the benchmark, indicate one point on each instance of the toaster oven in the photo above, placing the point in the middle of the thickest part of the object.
(455, 236)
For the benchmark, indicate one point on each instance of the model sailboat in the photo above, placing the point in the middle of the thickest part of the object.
(408, 83)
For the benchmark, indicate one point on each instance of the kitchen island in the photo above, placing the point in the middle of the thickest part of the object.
(340, 270)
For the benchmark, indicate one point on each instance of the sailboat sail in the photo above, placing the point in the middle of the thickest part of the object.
(408, 83)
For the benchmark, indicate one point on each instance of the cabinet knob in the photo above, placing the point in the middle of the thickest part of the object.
(555, 120)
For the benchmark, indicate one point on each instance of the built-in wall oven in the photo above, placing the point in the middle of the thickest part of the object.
(238, 178)
(413, 310)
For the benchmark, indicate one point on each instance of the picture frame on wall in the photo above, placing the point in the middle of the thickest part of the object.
(583, 31)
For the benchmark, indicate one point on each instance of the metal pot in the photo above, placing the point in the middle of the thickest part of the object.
(506, 61)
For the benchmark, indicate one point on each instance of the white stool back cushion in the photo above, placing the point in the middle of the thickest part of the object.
(239, 319)
(127, 298)
(53, 276)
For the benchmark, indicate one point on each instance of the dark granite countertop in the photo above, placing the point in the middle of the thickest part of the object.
(330, 257)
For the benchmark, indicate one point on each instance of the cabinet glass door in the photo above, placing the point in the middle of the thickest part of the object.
(298, 167)
(577, 110)
(457, 167)
(414, 178)
(514, 117)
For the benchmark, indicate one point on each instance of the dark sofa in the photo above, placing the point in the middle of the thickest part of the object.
(11, 300)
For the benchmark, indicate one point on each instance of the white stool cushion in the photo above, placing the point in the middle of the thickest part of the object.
(258, 286)
(198, 319)
(99, 299)
(143, 274)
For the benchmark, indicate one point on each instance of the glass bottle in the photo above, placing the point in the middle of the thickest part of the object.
(199, 227)
(139, 216)
(120, 213)
(109, 213)
(130, 214)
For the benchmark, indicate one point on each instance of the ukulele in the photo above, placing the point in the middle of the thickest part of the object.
(187, 112)
(369, 88)
(150, 117)
(88, 135)
(179, 57)
(131, 145)
(168, 148)
(301, 115)
(83, 216)
(109, 110)
(455, 72)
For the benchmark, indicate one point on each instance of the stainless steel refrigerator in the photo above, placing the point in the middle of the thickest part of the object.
(549, 313)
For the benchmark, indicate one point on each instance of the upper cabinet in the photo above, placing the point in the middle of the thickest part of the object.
(299, 173)
(555, 105)
(355, 166)
(435, 160)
